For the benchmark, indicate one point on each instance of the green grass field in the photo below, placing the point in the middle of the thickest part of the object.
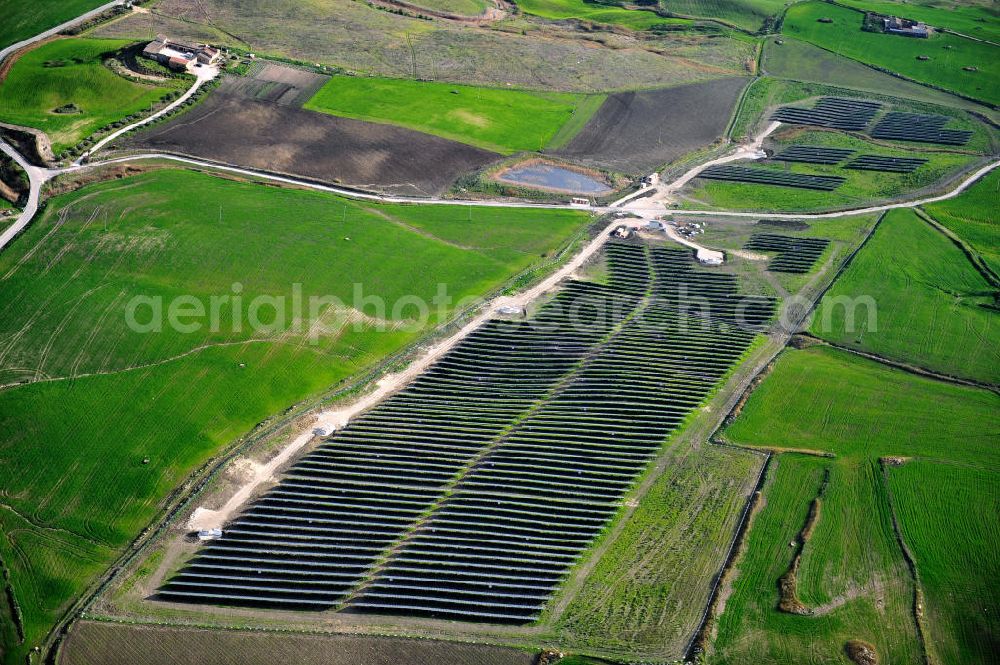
(505, 121)
(100, 397)
(22, 20)
(975, 20)
(749, 15)
(929, 299)
(972, 216)
(852, 575)
(578, 9)
(857, 586)
(830, 400)
(801, 61)
(948, 515)
(948, 54)
(70, 71)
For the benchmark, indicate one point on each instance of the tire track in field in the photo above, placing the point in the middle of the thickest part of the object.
(295, 342)
(95, 330)
(419, 231)
(67, 317)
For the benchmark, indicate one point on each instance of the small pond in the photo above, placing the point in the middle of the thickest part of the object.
(550, 176)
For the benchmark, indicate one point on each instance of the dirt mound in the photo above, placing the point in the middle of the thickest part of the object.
(228, 127)
(636, 132)
(861, 653)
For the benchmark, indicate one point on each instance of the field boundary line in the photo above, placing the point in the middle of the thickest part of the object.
(974, 257)
(697, 644)
(911, 369)
(897, 74)
(155, 363)
(916, 609)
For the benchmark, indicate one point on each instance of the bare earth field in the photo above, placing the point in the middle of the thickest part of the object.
(281, 84)
(93, 642)
(233, 126)
(350, 34)
(640, 131)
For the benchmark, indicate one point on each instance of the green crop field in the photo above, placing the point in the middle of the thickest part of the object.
(801, 61)
(852, 576)
(975, 20)
(502, 120)
(930, 301)
(578, 9)
(85, 398)
(830, 400)
(972, 216)
(948, 515)
(70, 71)
(647, 592)
(856, 587)
(749, 15)
(947, 54)
(22, 20)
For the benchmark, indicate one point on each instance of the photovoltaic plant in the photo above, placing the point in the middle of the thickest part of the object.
(795, 255)
(833, 112)
(809, 154)
(471, 493)
(824, 183)
(919, 128)
(890, 164)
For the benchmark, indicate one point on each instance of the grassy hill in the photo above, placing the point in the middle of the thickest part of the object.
(947, 55)
(64, 89)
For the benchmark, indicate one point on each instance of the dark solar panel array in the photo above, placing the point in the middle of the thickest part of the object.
(832, 112)
(919, 128)
(889, 164)
(470, 494)
(772, 177)
(795, 255)
(809, 154)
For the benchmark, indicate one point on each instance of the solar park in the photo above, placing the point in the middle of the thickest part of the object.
(471, 493)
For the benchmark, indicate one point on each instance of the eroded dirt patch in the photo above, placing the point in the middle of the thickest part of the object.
(861, 652)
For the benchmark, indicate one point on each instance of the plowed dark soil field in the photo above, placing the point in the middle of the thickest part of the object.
(232, 126)
(120, 644)
(636, 132)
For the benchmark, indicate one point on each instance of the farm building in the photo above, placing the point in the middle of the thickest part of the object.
(894, 25)
(180, 56)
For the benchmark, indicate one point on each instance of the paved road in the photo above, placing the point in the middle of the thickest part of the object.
(36, 177)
